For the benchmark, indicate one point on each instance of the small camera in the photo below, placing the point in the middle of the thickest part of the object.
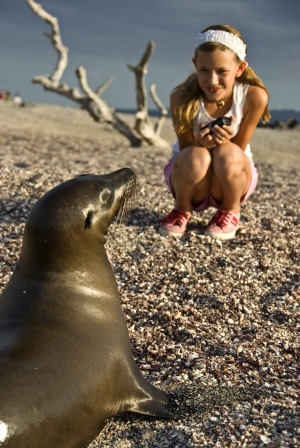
(221, 121)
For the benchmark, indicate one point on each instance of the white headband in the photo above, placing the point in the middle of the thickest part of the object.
(230, 41)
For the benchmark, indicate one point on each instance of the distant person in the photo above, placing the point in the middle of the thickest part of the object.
(17, 99)
(213, 166)
(5, 95)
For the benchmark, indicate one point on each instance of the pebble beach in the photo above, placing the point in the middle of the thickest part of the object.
(215, 324)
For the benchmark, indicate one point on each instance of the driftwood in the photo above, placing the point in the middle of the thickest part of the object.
(143, 131)
(143, 124)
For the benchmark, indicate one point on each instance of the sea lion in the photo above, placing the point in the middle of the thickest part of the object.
(66, 363)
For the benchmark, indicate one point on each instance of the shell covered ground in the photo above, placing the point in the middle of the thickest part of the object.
(215, 324)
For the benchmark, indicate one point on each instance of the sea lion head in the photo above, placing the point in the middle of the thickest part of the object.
(75, 216)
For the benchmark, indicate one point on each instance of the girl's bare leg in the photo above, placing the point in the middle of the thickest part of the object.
(191, 176)
(231, 176)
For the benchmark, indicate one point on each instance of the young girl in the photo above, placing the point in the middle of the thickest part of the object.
(213, 166)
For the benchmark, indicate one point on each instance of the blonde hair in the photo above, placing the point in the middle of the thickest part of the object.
(189, 91)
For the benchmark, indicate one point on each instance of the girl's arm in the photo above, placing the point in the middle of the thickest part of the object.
(255, 104)
(186, 139)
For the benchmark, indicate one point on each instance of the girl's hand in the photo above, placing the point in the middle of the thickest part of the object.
(211, 137)
(205, 138)
(222, 134)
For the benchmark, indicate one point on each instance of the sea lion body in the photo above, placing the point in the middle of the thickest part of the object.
(66, 364)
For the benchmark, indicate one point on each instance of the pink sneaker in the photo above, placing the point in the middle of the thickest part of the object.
(223, 225)
(175, 223)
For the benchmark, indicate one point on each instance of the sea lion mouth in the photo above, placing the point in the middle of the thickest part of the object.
(128, 199)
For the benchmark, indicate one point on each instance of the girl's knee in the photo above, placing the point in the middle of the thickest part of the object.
(194, 156)
(230, 158)
(228, 150)
(192, 164)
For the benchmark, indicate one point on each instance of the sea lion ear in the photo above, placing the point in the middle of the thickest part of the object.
(104, 195)
(89, 220)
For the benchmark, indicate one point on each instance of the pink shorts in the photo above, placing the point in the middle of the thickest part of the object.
(209, 201)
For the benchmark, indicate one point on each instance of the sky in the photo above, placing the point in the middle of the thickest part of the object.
(104, 36)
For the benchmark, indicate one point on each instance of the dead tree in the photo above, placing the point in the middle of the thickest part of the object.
(91, 100)
(143, 124)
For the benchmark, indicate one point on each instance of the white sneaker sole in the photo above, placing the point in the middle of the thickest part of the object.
(221, 236)
(164, 232)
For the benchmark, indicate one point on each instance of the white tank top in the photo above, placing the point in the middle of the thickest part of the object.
(236, 111)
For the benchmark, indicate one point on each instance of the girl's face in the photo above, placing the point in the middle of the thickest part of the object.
(217, 71)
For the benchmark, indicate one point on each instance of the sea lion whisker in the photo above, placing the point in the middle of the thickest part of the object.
(123, 211)
(128, 198)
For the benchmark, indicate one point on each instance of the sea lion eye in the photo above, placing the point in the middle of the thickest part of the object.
(89, 220)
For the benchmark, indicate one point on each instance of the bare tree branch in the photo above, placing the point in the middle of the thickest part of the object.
(104, 86)
(106, 112)
(163, 110)
(156, 100)
(92, 102)
(140, 71)
(55, 38)
(143, 124)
